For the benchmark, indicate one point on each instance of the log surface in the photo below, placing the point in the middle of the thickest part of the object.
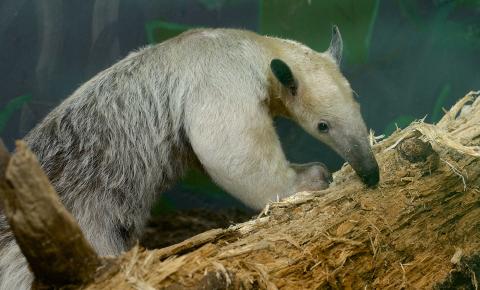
(420, 229)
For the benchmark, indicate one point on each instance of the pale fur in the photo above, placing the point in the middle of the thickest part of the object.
(207, 97)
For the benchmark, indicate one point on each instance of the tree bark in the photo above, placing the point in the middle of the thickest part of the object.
(46, 232)
(419, 229)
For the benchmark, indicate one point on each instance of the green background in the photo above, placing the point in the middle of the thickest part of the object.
(406, 59)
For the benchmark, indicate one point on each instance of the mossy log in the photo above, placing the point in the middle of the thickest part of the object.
(419, 229)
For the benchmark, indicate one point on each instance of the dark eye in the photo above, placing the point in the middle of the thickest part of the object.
(323, 127)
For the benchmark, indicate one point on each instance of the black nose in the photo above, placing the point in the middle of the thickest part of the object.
(371, 177)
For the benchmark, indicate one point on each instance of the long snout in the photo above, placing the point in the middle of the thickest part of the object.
(360, 156)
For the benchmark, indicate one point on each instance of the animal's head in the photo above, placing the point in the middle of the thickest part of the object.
(315, 94)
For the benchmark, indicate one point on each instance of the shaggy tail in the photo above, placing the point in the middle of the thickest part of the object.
(14, 272)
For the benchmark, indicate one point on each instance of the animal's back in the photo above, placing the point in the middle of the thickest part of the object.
(121, 139)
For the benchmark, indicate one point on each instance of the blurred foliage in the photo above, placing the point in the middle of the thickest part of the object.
(217, 4)
(437, 113)
(195, 180)
(407, 58)
(440, 103)
(300, 20)
(399, 123)
(163, 205)
(447, 22)
(12, 106)
(449, 26)
(158, 31)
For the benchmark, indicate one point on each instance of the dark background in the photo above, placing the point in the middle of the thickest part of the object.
(406, 59)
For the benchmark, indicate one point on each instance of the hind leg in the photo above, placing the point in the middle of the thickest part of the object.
(14, 272)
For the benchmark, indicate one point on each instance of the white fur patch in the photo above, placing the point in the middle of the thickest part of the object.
(14, 272)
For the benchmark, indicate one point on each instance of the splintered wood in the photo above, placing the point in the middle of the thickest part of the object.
(420, 228)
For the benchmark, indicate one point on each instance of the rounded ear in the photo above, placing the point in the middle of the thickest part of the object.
(284, 75)
(336, 45)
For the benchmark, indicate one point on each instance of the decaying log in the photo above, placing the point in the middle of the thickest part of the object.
(48, 235)
(420, 229)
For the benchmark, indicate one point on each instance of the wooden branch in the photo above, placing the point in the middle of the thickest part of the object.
(420, 229)
(48, 235)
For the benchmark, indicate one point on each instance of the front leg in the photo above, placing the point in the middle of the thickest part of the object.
(239, 149)
(311, 176)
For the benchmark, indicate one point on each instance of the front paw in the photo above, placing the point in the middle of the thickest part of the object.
(312, 176)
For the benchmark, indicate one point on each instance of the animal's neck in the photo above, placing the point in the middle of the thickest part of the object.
(274, 101)
(277, 107)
